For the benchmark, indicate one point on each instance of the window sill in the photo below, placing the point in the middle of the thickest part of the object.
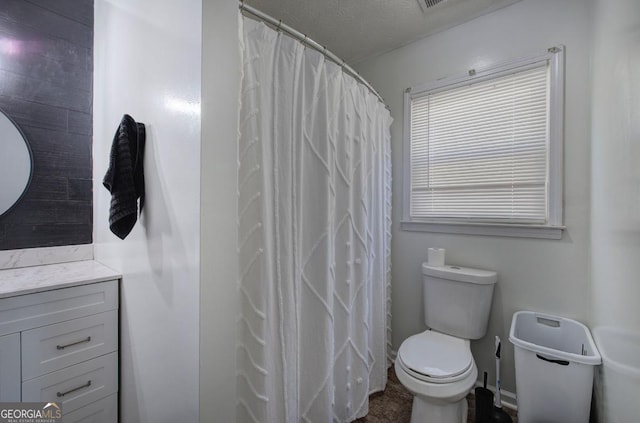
(488, 229)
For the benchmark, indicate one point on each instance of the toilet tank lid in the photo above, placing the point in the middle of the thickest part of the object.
(460, 274)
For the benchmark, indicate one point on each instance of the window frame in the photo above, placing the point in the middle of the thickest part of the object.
(554, 226)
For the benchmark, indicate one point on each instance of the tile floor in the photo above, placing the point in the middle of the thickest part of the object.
(394, 405)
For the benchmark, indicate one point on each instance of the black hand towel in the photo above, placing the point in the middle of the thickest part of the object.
(125, 177)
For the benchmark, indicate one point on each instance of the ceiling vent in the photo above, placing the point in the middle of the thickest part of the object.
(427, 4)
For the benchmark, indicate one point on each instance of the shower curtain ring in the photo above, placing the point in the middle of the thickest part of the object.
(279, 24)
(304, 40)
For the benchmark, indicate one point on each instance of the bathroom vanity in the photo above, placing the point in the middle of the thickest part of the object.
(59, 338)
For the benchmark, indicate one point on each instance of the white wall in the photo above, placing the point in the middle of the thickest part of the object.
(615, 203)
(219, 306)
(542, 275)
(147, 64)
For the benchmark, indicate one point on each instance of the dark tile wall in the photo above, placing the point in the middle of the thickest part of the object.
(46, 71)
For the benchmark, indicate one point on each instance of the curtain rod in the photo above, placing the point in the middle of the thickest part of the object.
(311, 43)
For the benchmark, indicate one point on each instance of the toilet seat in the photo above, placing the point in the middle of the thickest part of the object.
(435, 357)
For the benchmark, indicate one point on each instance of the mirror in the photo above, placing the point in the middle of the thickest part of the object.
(16, 164)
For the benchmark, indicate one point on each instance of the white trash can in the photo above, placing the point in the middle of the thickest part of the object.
(555, 359)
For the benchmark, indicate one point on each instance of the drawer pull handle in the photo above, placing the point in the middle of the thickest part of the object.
(62, 347)
(62, 394)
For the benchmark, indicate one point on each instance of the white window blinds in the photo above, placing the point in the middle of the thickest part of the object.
(479, 152)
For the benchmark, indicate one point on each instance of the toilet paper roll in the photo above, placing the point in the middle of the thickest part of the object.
(435, 256)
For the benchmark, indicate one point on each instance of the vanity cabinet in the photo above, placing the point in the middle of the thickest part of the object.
(10, 368)
(61, 345)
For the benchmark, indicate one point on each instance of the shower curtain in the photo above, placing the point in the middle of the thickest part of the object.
(314, 204)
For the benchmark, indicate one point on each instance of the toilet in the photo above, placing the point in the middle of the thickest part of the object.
(436, 366)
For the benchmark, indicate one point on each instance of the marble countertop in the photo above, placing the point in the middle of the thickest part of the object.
(27, 280)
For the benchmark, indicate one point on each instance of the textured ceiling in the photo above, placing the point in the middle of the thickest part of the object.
(358, 29)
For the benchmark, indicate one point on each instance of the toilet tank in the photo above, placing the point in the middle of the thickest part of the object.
(457, 300)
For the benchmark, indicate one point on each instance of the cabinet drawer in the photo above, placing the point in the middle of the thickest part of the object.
(44, 308)
(101, 411)
(75, 386)
(53, 347)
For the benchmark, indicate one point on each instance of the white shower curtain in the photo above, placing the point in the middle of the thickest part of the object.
(314, 235)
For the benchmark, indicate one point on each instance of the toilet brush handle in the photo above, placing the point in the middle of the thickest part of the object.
(498, 400)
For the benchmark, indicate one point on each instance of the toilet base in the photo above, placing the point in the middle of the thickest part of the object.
(423, 411)
(438, 403)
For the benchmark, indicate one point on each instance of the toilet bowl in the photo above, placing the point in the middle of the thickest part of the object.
(437, 366)
(439, 371)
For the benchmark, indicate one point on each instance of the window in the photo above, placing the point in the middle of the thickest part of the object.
(483, 153)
